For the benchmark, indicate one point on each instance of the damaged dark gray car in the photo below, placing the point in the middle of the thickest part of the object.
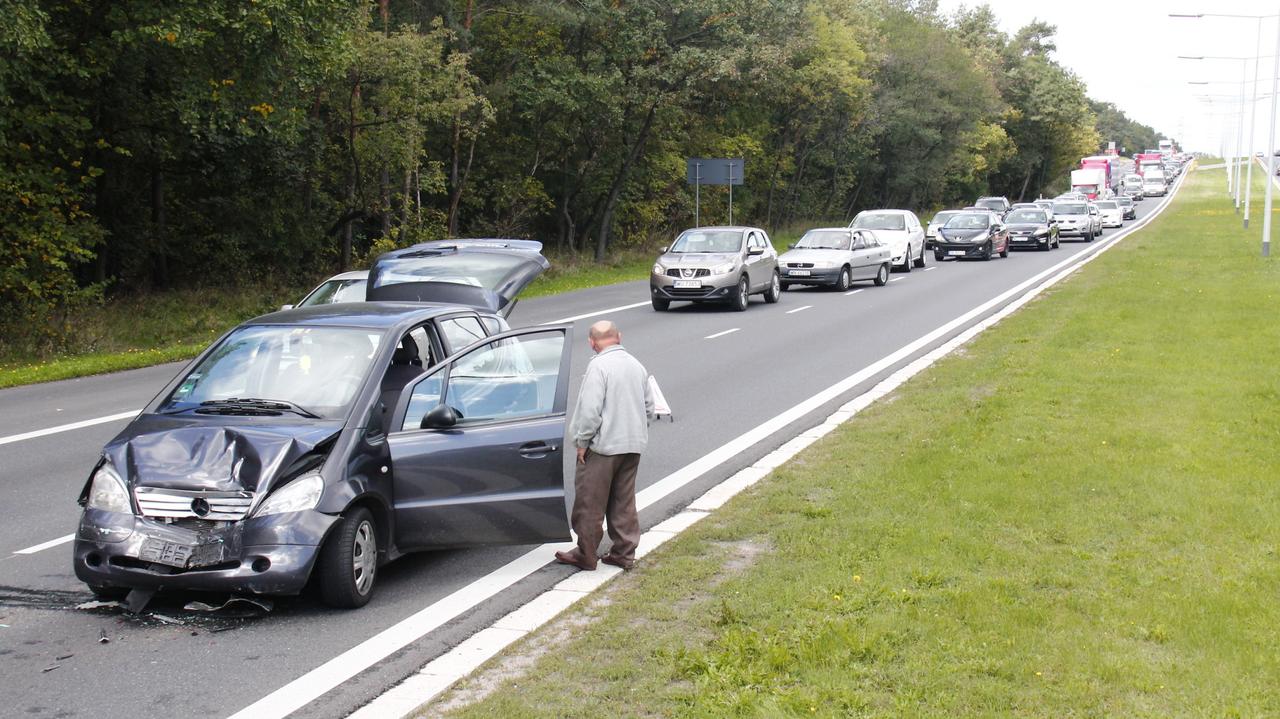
(322, 442)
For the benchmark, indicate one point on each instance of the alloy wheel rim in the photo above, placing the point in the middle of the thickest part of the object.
(742, 292)
(777, 285)
(364, 553)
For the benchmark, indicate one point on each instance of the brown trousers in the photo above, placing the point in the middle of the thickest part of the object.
(605, 487)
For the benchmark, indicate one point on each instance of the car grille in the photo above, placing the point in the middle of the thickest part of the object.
(181, 504)
(688, 273)
(799, 264)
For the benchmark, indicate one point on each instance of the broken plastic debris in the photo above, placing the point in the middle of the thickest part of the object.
(263, 604)
(64, 656)
(102, 637)
(49, 668)
(165, 619)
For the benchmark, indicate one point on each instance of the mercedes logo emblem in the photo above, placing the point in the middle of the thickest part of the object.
(200, 506)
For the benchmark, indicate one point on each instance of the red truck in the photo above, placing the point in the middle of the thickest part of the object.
(1148, 158)
(1099, 162)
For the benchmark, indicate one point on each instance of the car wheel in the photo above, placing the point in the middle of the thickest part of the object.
(1004, 252)
(843, 281)
(906, 260)
(660, 305)
(882, 277)
(986, 252)
(349, 561)
(774, 293)
(920, 259)
(742, 295)
(1089, 237)
(938, 256)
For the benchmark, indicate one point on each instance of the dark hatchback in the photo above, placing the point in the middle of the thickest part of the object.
(972, 234)
(1032, 228)
(325, 441)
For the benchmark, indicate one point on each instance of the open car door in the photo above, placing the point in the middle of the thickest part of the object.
(477, 445)
(484, 274)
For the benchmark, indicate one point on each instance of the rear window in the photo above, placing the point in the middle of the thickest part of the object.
(969, 221)
(880, 221)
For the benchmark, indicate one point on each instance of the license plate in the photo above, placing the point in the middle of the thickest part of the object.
(956, 252)
(687, 284)
(798, 273)
(177, 554)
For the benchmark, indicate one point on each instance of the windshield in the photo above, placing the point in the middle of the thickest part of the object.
(993, 204)
(969, 221)
(1070, 209)
(335, 291)
(1125, 201)
(825, 240)
(1027, 217)
(708, 241)
(879, 221)
(318, 369)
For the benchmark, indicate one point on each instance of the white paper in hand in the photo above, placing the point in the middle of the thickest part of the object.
(660, 407)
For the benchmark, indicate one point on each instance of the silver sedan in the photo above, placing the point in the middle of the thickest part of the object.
(835, 257)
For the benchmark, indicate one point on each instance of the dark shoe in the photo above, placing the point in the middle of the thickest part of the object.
(576, 559)
(617, 561)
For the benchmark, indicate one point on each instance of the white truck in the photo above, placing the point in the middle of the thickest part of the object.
(1091, 182)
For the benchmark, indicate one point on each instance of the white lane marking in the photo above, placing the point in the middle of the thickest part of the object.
(68, 427)
(897, 279)
(442, 672)
(46, 545)
(721, 334)
(931, 268)
(575, 318)
(854, 292)
(799, 309)
(315, 683)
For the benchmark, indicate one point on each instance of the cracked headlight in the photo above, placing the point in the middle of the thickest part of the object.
(108, 493)
(300, 494)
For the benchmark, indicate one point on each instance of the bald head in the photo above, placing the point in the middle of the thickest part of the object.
(603, 334)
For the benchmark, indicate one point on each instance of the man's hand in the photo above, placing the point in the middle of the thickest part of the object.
(582, 455)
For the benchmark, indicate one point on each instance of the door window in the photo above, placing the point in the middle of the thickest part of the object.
(462, 331)
(506, 379)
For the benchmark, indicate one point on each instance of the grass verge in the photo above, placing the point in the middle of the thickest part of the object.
(1075, 515)
(143, 330)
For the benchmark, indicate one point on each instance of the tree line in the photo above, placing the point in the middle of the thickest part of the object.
(149, 144)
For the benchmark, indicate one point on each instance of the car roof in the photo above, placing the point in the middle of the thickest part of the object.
(350, 275)
(372, 315)
(736, 228)
(885, 212)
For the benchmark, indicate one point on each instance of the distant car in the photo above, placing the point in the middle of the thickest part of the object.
(931, 230)
(1032, 227)
(1046, 205)
(1075, 220)
(1022, 205)
(1111, 213)
(1129, 207)
(835, 257)
(999, 204)
(900, 230)
(1153, 186)
(344, 287)
(716, 264)
(972, 234)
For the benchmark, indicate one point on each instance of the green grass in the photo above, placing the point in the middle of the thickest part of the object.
(152, 328)
(1075, 515)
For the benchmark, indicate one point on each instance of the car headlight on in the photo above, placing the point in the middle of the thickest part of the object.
(724, 269)
(658, 269)
(108, 492)
(300, 494)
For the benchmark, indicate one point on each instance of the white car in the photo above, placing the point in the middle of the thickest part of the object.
(344, 287)
(931, 231)
(1112, 213)
(900, 230)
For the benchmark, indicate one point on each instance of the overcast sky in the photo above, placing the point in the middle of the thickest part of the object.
(1126, 52)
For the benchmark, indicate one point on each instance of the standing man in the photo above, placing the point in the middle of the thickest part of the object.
(610, 429)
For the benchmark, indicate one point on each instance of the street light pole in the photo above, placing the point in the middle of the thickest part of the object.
(1253, 120)
(1271, 147)
(1244, 73)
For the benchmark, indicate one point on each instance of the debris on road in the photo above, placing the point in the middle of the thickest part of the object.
(99, 605)
(138, 599)
(63, 657)
(49, 668)
(102, 637)
(166, 619)
(241, 603)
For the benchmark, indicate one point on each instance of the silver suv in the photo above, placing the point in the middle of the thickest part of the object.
(716, 264)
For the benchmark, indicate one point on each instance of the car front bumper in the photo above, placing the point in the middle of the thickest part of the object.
(960, 249)
(1029, 240)
(816, 276)
(268, 555)
(1073, 230)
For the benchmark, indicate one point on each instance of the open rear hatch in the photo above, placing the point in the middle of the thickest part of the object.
(484, 274)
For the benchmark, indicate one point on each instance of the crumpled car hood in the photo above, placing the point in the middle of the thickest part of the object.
(195, 454)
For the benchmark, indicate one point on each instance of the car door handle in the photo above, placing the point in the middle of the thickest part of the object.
(537, 450)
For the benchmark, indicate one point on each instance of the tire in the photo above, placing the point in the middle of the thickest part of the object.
(986, 252)
(920, 260)
(1048, 245)
(661, 305)
(906, 260)
(843, 282)
(349, 561)
(882, 277)
(774, 293)
(1089, 237)
(938, 256)
(741, 296)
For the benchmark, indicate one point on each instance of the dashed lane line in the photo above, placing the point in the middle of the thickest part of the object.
(722, 334)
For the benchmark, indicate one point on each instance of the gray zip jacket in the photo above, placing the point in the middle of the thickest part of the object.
(614, 405)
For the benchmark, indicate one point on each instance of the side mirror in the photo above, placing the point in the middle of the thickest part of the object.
(791, 246)
(442, 416)
(663, 250)
(755, 251)
(285, 307)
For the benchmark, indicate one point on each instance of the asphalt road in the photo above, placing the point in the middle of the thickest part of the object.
(170, 662)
